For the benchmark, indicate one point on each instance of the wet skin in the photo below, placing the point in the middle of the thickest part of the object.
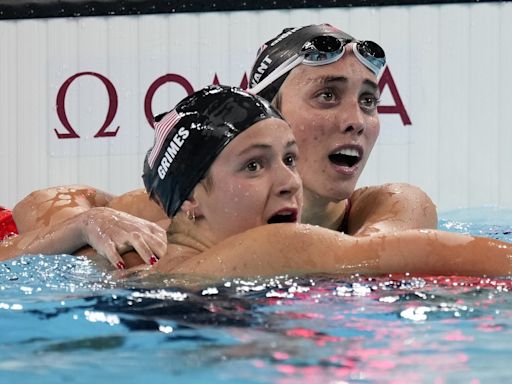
(332, 110)
(253, 180)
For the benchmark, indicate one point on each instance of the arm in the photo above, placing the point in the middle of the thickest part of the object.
(108, 231)
(302, 249)
(53, 205)
(64, 237)
(115, 231)
(390, 208)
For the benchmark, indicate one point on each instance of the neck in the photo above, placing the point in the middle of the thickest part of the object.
(188, 235)
(185, 240)
(322, 212)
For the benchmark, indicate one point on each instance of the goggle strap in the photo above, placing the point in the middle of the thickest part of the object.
(282, 69)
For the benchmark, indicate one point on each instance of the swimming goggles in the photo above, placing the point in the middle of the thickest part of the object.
(323, 50)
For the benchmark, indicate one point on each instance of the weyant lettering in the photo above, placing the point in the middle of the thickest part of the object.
(261, 70)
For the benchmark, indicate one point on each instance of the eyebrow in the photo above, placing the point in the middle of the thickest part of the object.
(343, 79)
(289, 144)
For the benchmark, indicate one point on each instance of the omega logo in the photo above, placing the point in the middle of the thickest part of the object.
(386, 80)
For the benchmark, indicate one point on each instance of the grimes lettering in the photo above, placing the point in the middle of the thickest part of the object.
(171, 151)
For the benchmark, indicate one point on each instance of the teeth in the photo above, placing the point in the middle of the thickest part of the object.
(281, 217)
(347, 152)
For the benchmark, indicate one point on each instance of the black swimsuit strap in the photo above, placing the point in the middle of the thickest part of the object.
(344, 222)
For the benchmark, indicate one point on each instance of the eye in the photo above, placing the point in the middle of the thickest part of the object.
(290, 160)
(326, 95)
(369, 103)
(253, 166)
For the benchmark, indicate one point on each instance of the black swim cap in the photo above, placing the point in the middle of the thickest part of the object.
(283, 47)
(190, 137)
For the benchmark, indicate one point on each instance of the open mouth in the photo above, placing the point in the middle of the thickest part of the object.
(283, 217)
(346, 157)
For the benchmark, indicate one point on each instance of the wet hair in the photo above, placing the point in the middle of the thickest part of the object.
(189, 138)
(283, 47)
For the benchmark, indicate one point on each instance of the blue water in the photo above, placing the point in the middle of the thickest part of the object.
(63, 321)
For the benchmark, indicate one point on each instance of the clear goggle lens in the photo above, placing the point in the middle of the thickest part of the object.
(324, 50)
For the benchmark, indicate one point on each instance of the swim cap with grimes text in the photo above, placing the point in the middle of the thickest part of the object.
(312, 45)
(189, 138)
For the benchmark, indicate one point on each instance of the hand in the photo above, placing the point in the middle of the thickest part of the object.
(112, 233)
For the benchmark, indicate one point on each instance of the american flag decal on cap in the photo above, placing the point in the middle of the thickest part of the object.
(162, 129)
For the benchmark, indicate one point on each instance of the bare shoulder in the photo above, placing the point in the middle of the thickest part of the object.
(50, 205)
(396, 192)
(391, 207)
(138, 203)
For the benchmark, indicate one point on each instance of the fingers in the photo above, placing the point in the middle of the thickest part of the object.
(158, 231)
(148, 239)
(110, 251)
(149, 247)
(142, 248)
(159, 245)
(112, 233)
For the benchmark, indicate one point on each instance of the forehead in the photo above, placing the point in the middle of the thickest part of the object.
(267, 133)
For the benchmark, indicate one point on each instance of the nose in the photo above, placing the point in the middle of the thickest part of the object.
(351, 118)
(287, 181)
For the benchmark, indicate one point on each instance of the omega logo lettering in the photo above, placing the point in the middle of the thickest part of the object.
(386, 80)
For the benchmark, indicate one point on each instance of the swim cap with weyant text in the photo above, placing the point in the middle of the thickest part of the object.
(189, 138)
(311, 45)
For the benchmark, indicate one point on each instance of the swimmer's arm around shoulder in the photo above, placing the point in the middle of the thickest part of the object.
(108, 231)
(276, 249)
(62, 237)
(300, 249)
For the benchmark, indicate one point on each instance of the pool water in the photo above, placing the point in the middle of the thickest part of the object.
(63, 321)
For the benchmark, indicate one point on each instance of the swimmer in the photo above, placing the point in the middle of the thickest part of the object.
(325, 84)
(223, 166)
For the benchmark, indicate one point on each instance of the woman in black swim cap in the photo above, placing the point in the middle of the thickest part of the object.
(226, 160)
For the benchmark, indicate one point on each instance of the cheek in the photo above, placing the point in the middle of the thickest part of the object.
(308, 125)
(373, 131)
(311, 131)
(242, 197)
(223, 198)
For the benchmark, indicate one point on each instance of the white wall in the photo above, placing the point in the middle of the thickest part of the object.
(450, 64)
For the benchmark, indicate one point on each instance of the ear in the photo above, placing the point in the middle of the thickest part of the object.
(189, 205)
(192, 204)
